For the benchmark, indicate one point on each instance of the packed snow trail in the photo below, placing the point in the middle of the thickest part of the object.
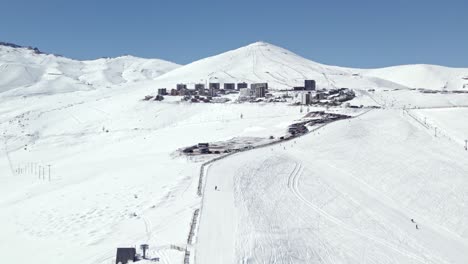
(339, 195)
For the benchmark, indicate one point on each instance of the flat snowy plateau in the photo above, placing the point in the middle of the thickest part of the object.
(388, 185)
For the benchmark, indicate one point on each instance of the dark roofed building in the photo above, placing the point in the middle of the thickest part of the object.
(162, 91)
(125, 255)
(254, 86)
(214, 85)
(229, 86)
(309, 85)
(199, 86)
(181, 86)
(242, 85)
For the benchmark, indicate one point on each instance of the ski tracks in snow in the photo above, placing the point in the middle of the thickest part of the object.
(293, 185)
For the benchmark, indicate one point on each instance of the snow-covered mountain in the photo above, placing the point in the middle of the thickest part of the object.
(85, 172)
(28, 71)
(264, 62)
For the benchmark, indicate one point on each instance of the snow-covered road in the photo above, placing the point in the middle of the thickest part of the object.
(343, 194)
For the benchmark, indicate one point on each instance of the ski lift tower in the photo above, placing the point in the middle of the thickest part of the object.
(144, 247)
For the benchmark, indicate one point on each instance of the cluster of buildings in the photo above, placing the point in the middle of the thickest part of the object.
(332, 97)
(256, 90)
(212, 92)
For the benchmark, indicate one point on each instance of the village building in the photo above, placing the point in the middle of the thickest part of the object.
(245, 93)
(125, 255)
(253, 86)
(229, 86)
(242, 85)
(213, 92)
(259, 91)
(309, 85)
(162, 91)
(181, 86)
(306, 98)
(199, 86)
(214, 86)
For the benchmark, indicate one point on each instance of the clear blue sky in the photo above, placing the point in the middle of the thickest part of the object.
(355, 33)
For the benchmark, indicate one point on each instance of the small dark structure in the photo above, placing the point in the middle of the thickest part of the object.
(297, 129)
(144, 247)
(229, 86)
(205, 150)
(254, 86)
(298, 88)
(309, 85)
(125, 255)
(203, 145)
(181, 86)
(162, 91)
(260, 91)
(213, 92)
(214, 86)
(199, 86)
(242, 85)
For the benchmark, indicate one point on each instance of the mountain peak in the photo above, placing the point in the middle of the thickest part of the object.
(16, 46)
(260, 43)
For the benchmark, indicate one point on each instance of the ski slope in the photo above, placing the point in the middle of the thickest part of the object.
(343, 194)
(447, 122)
(123, 187)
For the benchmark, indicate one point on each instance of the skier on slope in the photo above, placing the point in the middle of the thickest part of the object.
(216, 187)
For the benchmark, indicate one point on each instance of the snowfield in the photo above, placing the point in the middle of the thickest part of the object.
(424, 76)
(344, 193)
(108, 189)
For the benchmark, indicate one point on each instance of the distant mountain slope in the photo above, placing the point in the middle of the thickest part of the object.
(424, 76)
(264, 62)
(26, 70)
